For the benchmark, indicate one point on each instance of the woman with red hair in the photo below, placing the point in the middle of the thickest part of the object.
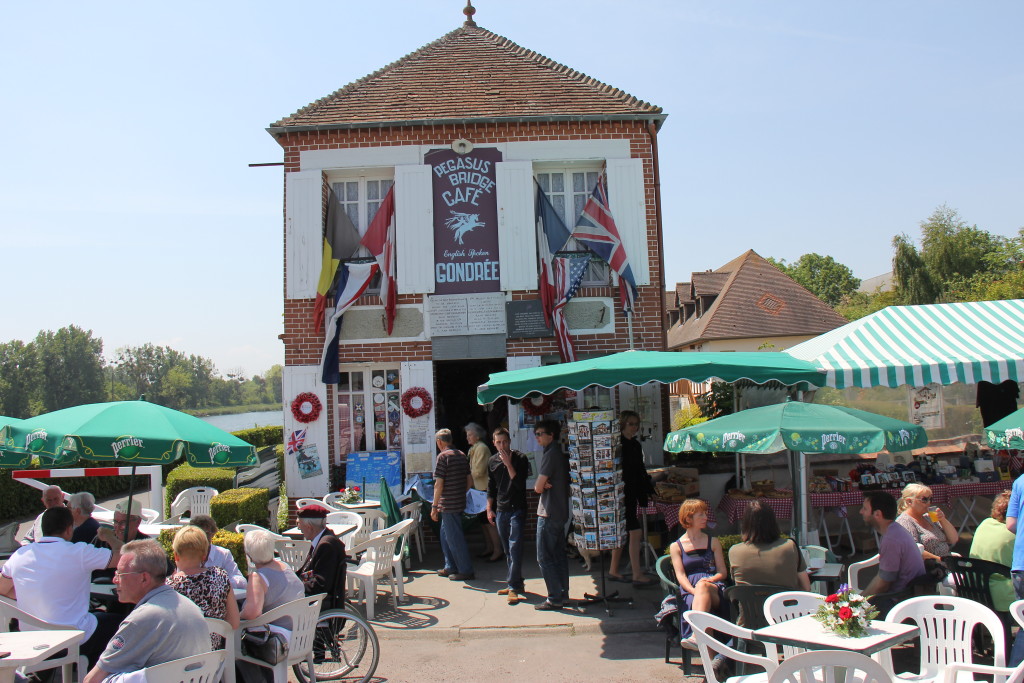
(699, 565)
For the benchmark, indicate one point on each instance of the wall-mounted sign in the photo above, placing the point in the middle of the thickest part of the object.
(465, 220)
(526, 319)
(463, 315)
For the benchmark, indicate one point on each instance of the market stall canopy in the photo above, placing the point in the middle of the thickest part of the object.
(806, 427)
(642, 367)
(133, 432)
(919, 345)
(1007, 432)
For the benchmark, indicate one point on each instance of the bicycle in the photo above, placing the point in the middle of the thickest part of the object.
(344, 643)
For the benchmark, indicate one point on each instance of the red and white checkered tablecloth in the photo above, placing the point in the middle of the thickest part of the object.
(981, 488)
(735, 507)
(670, 511)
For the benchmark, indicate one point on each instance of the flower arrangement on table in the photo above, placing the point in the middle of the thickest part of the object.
(350, 495)
(846, 613)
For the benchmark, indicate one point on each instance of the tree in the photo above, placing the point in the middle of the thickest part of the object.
(70, 363)
(18, 371)
(823, 276)
(273, 376)
(953, 258)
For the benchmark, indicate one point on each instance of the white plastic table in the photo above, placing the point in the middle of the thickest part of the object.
(31, 647)
(806, 633)
(338, 529)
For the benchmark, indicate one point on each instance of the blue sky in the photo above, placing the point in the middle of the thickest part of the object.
(129, 208)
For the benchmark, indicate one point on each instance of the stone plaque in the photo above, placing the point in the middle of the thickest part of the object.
(468, 314)
(526, 319)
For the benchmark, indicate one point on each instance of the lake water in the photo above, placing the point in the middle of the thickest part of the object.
(232, 423)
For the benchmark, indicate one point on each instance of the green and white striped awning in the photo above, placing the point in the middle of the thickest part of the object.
(919, 345)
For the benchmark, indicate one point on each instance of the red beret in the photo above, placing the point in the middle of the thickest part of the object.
(313, 512)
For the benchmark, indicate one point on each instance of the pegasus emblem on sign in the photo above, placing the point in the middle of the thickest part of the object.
(461, 223)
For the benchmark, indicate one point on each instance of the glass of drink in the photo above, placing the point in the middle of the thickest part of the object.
(933, 513)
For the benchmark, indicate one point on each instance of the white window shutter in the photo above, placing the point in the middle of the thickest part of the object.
(304, 232)
(414, 229)
(296, 379)
(517, 232)
(628, 204)
(418, 447)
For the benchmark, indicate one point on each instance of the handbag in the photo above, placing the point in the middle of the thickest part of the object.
(265, 644)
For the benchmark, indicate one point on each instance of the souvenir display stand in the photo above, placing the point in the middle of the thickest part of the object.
(596, 490)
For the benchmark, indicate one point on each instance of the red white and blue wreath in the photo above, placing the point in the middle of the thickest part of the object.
(416, 402)
(537, 405)
(306, 407)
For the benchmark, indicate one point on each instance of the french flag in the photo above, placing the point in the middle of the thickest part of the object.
(380, 240)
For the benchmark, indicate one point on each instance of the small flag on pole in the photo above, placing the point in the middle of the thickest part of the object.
(355, 278)
(341, 240)
(551, 236)
(569, 274)
(380, 240)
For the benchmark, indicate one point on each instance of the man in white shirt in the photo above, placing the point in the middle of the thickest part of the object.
(52, 497)
(50, 579)
(219, 557)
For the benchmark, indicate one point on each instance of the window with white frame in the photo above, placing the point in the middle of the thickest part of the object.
(569, 188)
(368, 408)
(360, 197)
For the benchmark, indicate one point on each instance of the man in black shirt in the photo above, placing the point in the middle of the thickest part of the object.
(507, 471)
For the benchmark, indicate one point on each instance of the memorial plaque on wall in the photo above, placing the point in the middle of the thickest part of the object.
(470, 314)
(465, 220)
(526, 319)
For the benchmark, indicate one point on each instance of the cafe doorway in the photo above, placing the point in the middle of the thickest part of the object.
(456, 382)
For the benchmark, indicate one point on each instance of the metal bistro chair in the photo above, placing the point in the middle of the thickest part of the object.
(9, 610)
(667, 577)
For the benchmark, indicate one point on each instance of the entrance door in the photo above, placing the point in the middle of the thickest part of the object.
(456, 382)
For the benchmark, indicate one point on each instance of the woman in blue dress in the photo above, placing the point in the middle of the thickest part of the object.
(699, 565)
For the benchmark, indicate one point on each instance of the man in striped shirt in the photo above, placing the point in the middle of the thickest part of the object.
(452, 479)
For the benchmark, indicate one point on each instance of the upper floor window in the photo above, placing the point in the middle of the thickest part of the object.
(360, 197)
(569, 189)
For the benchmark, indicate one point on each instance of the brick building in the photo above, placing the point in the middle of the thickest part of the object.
(466, 123)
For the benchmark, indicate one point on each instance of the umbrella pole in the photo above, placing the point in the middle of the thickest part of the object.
(131, 493)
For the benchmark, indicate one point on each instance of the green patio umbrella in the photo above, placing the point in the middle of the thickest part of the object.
(1007, 432)
(642, 367)
(388, 504)
(22, 449)
(799, 427)
(133, 433)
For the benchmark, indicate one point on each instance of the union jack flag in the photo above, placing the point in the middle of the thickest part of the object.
(568, 274)
(596, 231)
(295, 440)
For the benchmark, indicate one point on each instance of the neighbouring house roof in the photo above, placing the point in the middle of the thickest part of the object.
(470, 73)
(883, 283)
(753, 299)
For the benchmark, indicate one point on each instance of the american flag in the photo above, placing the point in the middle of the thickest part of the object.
(596, 231)
(296, 439)
(568, 273)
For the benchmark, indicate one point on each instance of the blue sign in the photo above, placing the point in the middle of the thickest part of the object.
(367, 467)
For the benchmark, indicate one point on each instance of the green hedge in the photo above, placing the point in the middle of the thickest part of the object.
(248, 506)
(185, 476)
(225, 539)
(18, 500)
(261, 437)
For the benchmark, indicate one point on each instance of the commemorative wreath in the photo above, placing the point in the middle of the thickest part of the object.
(416, 402)
(306, 407)
(537, 405)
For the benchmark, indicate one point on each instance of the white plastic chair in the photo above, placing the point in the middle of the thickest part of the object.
(8, 543)
(346, 517)
(334, 499)
(790, 605)
(702, 622)
(303, 502)
(194, 501)
(246, 528)
(303, 615)
(202, 668)
(377, 563)
(957, 673)
(947, 626)
(853, 573)
(9, 610)
(830, 666)
(815, 552)
(402, 531)
(293, 553)
(414, 511)
(223, 629)
(374, 519)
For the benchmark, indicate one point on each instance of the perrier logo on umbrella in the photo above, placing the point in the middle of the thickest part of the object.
(127, 447)
(35, 440)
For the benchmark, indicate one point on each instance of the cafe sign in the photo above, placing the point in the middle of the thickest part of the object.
(465, 221)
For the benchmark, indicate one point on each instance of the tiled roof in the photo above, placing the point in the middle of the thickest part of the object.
(709, 283)
(469, 73)
(757, 300)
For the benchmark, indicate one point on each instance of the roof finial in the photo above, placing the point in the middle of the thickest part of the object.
(469, 11)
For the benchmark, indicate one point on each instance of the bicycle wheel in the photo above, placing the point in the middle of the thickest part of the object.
(345, 646)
